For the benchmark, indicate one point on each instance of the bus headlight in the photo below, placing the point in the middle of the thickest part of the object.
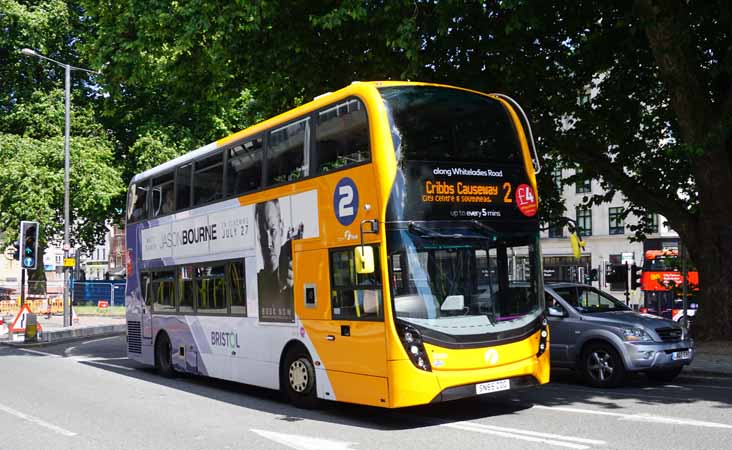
(543, 335)
(412, 342)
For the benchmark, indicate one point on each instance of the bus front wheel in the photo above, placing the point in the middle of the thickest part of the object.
(163, 356)
(299, 379)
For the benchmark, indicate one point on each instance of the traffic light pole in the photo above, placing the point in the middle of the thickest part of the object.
(627, 283)
(22, 287)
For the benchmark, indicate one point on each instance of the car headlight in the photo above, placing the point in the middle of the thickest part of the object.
(636, 335)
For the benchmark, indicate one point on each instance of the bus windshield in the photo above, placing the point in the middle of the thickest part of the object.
(440, 124)
(463, 284)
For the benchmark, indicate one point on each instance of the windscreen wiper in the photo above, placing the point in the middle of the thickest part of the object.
(430, 234)
(481, 226)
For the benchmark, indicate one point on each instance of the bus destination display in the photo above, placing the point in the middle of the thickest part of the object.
(447, 191)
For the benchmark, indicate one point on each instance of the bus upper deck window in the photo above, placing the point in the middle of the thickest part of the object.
(342, 136)
(183, 187)
(137, 202)
(208, 181)
(287, 152)
(244, 167)
(163, 201)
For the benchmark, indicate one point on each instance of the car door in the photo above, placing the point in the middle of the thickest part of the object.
(563, 329)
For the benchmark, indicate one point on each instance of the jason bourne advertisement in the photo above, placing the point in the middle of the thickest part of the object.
(450, 191)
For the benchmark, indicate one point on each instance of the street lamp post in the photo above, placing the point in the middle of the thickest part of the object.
(67, 95)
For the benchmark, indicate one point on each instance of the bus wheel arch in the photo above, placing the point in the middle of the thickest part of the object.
(164, 354)
(297, 376)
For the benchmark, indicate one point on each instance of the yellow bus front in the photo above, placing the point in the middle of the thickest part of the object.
(459, 253)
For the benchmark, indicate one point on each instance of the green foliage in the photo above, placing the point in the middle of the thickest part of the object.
(35, 171)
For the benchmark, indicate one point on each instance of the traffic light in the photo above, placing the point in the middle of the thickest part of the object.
(635, 277)
(16, 253)
(616, 273)
(28, 244)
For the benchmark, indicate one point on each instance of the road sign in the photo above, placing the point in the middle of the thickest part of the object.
(9, 251)
(69, 262)
(21, 320)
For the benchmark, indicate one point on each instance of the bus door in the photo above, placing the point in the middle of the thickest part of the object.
(146, 310)
(351, 341)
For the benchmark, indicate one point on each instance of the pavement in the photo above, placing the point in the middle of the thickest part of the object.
(53, 330)
(711, 358)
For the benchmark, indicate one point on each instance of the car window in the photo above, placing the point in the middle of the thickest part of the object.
(569, 294)
(592, 300)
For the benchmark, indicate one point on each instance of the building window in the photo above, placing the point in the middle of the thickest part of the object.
(583, 185)
(557, 178)
(653, 221)
(556, 231)
(584, 221)
(617, 222)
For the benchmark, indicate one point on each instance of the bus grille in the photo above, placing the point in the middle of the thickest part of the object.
(669, 334)
(134, 337)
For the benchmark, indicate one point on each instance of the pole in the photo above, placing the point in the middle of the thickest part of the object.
(684, 281)
(22, 287)
(627, 283)
(67, 95)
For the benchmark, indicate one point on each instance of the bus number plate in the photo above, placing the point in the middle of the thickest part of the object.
(492, 386)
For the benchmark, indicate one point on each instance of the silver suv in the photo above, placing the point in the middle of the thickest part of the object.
(601, 337)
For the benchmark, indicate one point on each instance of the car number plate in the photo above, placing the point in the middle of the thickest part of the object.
(686, 354)
(492, 386)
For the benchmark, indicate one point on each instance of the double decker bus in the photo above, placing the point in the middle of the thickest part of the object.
(378, 245)
(661, 282)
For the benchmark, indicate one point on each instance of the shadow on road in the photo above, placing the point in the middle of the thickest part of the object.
(565, 390)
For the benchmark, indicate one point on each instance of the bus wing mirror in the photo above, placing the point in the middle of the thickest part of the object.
(364, 259)
(577, 245)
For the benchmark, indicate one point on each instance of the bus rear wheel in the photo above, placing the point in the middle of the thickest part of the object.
(298, 378)
(163, 356)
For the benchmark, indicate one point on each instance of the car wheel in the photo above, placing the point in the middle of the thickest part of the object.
(602, 366)
(163, 356)
(665, 375)
(298, 378)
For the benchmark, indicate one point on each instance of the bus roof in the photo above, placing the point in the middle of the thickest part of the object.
(318, 102)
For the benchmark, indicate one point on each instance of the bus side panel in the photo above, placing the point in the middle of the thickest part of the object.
(361, 389)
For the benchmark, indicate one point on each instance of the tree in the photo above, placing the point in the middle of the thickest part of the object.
(657, 128)
(32, 129)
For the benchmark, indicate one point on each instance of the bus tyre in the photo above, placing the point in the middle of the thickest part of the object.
(664, 375)
(602, 366)
(163, 356)
(299, 379)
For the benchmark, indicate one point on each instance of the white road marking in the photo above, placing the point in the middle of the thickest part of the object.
(100, 362)
(37, 421)
(303, 442)
(527, 435)
(36, 352)
(68, 351)
(99, 340)
(638, 417)
(615, 393)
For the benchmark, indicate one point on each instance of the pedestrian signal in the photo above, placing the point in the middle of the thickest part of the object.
(28, 244)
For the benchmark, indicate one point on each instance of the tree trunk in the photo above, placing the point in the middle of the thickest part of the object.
(710, 245)
(713, 320)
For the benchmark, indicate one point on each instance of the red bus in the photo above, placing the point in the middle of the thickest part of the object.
(661, 283)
